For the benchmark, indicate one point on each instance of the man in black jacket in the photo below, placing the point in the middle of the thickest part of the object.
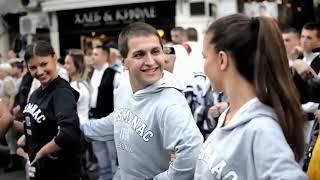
(306, 80)
(308, 85)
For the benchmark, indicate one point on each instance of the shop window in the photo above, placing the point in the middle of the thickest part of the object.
(197, 8)
(212, 10)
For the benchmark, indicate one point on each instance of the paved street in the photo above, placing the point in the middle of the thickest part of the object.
(17, 175)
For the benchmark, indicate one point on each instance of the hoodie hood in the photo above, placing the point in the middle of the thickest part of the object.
(254, 108)
(60, 83)
(167, 81)
(64, 84)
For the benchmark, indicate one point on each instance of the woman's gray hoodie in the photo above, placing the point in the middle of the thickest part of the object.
(251, 147)
(147, 127)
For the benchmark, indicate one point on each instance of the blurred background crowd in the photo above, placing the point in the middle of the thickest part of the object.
(88, 30)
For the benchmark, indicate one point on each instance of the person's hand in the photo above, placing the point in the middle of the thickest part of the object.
(40, 154)
(214, 111)
(317, 115)
(303, 69)
(6, 120)
(173, 156)
(222, 106)
(217, 109)
(16, 110)
(21, 141)
(297, 50)
(20, 152)
(31, 169)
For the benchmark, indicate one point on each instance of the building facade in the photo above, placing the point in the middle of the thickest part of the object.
(75, 23)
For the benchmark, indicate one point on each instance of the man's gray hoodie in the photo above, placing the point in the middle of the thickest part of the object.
(251, 147)
(148, 126)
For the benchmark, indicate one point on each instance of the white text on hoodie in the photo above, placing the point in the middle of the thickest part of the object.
(35, 111)
(209, 156)
(135, 123)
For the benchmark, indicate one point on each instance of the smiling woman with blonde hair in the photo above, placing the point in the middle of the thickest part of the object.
(76, 68)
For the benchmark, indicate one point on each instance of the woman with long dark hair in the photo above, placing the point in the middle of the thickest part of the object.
(51, 122)
(260, 135)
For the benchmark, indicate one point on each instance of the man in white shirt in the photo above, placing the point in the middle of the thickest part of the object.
(102, 85)
(310, 40)
(291, 39)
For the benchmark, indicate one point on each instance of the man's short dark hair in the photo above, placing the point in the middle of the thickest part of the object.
(178, 28)
(135, 29)
(18, 64)
(291, 30)
(104, 47)
(192, 34)
(112, 44)
(313, 26)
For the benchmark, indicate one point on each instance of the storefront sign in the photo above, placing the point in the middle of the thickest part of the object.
(74, 25)
(117, 16)
(162, 12)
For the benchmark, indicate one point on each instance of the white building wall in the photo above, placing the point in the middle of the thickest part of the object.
(54, 32)
(201, 23)
(4, 46)
(226, 7)
(7, 6)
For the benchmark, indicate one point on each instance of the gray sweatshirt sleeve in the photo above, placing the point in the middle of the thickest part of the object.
(99, 129)
(273, 157)
(181, 135)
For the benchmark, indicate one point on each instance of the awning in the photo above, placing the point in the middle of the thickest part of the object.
(60, 5)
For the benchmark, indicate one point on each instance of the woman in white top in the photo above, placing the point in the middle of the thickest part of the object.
(76, 69)
(75, 66)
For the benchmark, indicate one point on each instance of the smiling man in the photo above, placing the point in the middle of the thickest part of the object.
(151, 119)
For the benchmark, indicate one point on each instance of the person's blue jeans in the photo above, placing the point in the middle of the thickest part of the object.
(106, 155)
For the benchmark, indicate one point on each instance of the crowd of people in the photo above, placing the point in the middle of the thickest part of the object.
(242, 105)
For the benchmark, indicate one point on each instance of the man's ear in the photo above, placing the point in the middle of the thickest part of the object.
(224, 60)
(55, 58)
(123, 61)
